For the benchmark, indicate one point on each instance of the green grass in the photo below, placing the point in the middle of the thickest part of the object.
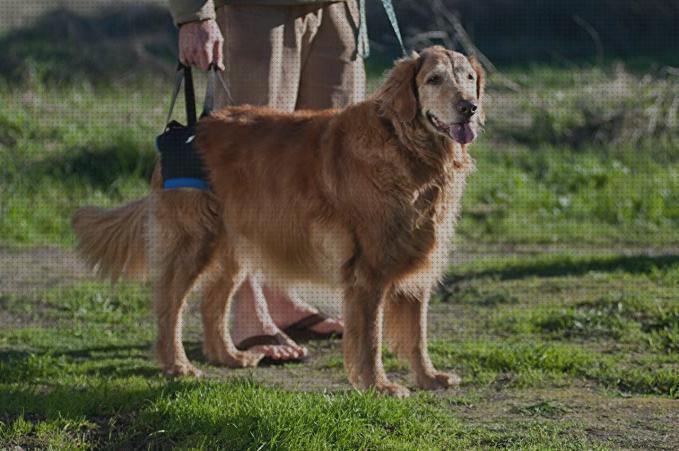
(622, 317)
(544, 333)
(241, 415)
(560, 195)
(65, 147)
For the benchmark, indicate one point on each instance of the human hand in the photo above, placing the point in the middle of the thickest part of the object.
(200, 44)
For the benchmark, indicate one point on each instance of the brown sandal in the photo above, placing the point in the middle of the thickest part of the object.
(301, 330)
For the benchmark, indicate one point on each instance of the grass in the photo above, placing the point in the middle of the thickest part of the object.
(65, 147)
(55, 157)
(619, 317)
(560, 346)
(232, 415)
(562, 195)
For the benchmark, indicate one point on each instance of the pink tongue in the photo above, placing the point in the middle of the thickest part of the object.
(462, 133)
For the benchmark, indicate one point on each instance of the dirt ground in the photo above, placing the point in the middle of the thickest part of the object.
(36, 269)
(630, 421)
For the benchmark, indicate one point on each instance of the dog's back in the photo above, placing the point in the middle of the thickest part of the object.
(302, 193)
(266, 168)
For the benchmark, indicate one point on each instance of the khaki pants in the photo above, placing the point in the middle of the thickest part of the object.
(292, 57)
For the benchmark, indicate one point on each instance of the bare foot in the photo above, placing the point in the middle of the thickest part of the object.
(217, 352)
(281, 353)
(251, 322)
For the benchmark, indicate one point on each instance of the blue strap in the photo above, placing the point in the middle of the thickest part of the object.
(363, 45)
(186, 182)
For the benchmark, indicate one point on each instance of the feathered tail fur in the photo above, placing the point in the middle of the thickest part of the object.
(114, 241)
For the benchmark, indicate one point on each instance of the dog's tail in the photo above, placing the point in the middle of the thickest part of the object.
(114, 241)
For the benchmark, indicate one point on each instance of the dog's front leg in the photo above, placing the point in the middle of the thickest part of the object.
(405, 319)
(362, 340)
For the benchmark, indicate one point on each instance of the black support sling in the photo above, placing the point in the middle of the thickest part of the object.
(181, 166)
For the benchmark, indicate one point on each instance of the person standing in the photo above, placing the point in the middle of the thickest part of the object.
(288, 55)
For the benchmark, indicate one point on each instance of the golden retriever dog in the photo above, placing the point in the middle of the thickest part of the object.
(364, 199)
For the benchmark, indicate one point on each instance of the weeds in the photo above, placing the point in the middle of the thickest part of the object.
(631, 319)
(548, 409)
(595, 107)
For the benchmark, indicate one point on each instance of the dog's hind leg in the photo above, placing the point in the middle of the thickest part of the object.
(182, 237)
(221, 285)
(362, 340)
(170, 293)
(405, 323)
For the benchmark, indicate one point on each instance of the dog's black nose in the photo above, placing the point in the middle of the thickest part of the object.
(467, 108)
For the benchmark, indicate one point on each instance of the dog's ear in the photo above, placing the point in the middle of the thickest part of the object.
(480, 76)
(398, 96)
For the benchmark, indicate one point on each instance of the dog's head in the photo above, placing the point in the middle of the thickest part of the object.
(438, 89)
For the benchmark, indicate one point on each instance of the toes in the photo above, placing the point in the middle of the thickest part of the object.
(394, 390)
(438, 380)
(281, 353)
(249, 359)
(239, 359)
(452, 379)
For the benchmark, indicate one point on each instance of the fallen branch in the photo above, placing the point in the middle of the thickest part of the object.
(427, 37)
(446, 19)
(589, 29)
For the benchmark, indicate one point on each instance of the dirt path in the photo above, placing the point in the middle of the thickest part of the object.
(31, 270)
(35, 269)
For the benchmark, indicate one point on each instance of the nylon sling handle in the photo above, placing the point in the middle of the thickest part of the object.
(181, 165)
(184, 75)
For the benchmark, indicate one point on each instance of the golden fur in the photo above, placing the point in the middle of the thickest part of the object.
(364, 199)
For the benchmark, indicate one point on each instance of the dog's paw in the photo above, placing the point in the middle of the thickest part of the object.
(248, 359)
(182, 369)
(438, 380)
(393, 389)
(238, 359)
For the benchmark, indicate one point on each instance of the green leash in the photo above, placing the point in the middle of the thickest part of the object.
(363, 47)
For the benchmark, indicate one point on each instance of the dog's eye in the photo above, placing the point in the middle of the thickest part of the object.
(470, 76)
(435, 80)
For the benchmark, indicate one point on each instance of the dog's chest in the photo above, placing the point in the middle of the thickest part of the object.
(434, 210)
(431, 203)
(427, 205)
